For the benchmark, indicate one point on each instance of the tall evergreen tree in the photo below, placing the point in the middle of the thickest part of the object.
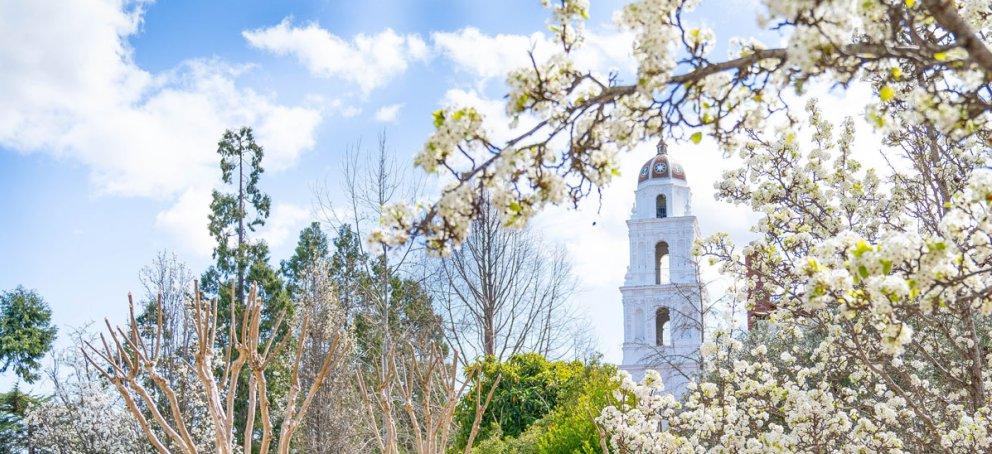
(347, 267)
(242, 260)
(26, 332)
(230, 220)
(234, 216)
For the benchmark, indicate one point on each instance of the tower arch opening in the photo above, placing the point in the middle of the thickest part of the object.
(661, 263)
(662, 336)
(661, 206)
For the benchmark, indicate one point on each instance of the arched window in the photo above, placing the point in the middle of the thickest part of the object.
(661, 328)
(661, 206)
(661, 263)
(639, 325)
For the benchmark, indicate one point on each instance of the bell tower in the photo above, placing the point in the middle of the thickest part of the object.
(661, 292)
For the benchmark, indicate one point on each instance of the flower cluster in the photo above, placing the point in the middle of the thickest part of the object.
(879, 340)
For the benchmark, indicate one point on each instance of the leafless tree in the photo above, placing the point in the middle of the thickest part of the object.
(401, 357)
(698, 308)
(167, 282)
(130, 362)
(503, 292)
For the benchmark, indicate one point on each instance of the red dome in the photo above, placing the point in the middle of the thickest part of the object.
(660, 167)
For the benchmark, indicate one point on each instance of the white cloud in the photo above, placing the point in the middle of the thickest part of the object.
(491, 56)
(285, 222)
(73, 90)
(186, 220)
(387, 114)
(487, 55)
(351, 111)
(368, 61)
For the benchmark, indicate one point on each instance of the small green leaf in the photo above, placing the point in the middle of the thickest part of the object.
(696, 137)
(940, 56)
(861, 247)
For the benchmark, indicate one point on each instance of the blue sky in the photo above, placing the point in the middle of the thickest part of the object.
(112, 111)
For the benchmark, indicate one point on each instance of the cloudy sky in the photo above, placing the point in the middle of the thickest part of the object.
(110, 113)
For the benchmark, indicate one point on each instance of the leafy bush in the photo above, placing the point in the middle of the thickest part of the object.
(571, 426)
(540, 406)
(530, 388)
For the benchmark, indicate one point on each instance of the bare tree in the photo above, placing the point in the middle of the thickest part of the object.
(130, 362)
(399, 331)
(503, 292)
(406, 375)
(167, 282)
(699, 309)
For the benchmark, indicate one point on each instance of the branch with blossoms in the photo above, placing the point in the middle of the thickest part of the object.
(880, 335)
(928, 62)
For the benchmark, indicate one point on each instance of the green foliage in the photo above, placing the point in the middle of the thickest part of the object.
(540, 406)
(241, 260)
(348, 264)
(232, 217)
(26, 332)
(13, 407)
(526, 443)
(571, 426)
(410, 316)
(530, 387)
(241, 167)
(311, 252)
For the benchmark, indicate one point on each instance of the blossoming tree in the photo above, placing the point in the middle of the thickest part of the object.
(881, 282)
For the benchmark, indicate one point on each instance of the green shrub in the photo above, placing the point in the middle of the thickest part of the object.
(571, 426)
(540, 406)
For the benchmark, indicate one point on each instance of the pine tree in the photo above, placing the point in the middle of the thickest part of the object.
(234, 217)
(311, 252)
(26, 332)
(347, 267)
(241, 260)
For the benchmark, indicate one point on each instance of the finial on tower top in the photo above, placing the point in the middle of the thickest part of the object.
(662, 147)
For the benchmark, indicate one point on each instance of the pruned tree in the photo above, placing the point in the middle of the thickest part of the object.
(419, 390)
(129, 362)
(83, 414)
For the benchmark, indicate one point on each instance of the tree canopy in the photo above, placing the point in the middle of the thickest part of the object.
(26, 332)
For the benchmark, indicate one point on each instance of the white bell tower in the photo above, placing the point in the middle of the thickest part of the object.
(661, 291)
